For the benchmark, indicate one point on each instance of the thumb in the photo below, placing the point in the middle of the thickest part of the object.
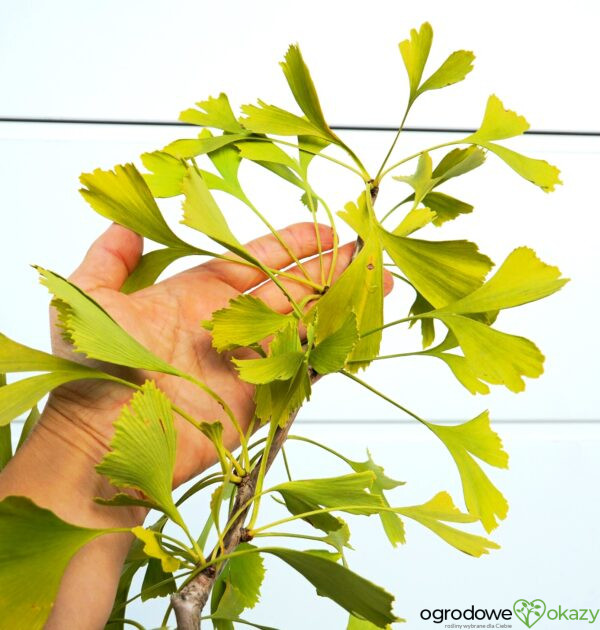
(110, 260)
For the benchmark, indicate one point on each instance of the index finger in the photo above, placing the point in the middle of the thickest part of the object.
(301, 240)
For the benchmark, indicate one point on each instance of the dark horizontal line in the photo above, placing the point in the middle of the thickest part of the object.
(408, 421)
(176, 123)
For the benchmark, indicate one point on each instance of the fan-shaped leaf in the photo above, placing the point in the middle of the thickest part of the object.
(303, 89)
(392, 524)
(454, 69)
(359, 290)
(142, 451)
(351, 591)
(442, 271)
(458, 162)
(538, 172)
(201, 212)
(276, 368)
(246, 321)
(123, 196)
(521, 278)
(421, 181)
(498, 123)
(166, 173)
(271, 119)
(152, 264)
(444, 207)
(414, 53)
(156, 583)
(35, 549)
(462, 370)
(93, 331)
(341, 492)
(238, 586)
(153, 549)
(494, 356)
(262, 151)
(277, 400)
(441, 508)
(330, 355)
(192, 147)
(213, 112)
(476, 438)
(416, 219)
(20, 396)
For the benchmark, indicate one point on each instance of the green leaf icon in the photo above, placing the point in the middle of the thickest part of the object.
(528, 611)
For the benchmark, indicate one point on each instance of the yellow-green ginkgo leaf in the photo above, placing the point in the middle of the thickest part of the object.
(152, 264)
(201, 212)
(391, 522)
(419, 306)
(277, 400)
(16, 357)
(359, 290)
(414, 53)
(226, 160)
(498, 123)
(213, 112)
(191, 147)
(359, 216)
(442, 271)
(20, 396)
(538, 172)
(153, 549)
(276, 368)
(521, 278)
(454, 69)
(436, 512)
(476, 438)
(245, 321)
(458, 162)
(304, 91)
(421, 181)
(443, 208)
(166, 173)
(264, 118)
(262, 151)
(238, 586)
(123, 196)
(348, 493)
(349, 590)
(35, 548)
(142, 451)
(416, 219)
(494, 356)
(331, 354)
(93, 331)
(309, 146)
(462, 370)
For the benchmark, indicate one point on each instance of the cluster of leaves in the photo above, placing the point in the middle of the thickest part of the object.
(339, 330)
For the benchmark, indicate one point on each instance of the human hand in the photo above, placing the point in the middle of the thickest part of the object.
(166, 318)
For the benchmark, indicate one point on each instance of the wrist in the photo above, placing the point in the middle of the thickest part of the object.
(56, 469)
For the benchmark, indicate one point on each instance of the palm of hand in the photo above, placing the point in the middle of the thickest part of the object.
(166, 318)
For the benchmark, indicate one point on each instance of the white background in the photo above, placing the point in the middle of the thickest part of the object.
(149, 60)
